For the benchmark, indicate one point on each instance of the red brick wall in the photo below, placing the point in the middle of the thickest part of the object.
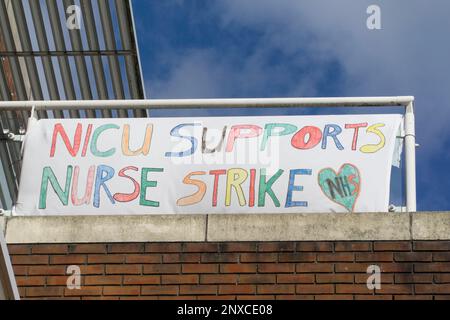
(243, 270)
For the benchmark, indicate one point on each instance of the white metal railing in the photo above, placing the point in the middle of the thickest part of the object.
(404, 101)
(207, 103)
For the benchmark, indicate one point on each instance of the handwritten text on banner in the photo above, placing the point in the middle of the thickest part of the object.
(339, 163)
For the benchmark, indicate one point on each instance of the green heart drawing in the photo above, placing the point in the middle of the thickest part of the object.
(342, 187)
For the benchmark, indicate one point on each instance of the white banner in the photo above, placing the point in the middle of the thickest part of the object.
(339, 163)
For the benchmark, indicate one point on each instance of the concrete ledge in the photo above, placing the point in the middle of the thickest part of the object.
(229, 227)
(297, 227)
(74, 229)
(431, 226)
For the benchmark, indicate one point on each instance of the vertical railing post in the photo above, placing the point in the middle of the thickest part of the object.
(410, 158)
(8, 286)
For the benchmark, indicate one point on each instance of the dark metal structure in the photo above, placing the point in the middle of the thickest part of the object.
(63, 50)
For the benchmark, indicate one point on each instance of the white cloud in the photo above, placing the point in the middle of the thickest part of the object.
(409, 56)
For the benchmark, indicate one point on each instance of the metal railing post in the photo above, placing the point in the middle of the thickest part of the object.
(8, 286)
(410, 158)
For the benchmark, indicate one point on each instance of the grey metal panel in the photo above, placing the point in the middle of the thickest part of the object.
(135, 44)
(12, 121)
(4, 91)
(7, 162)
(41, 36)
(92, 38)
(114, 67)
(124, 17)
(25, 42)
(11, 178)
(83, 79)
(19, 72)
(3, 202)
(11, 156)
(19, 87)
(64, 67)
(19, 93)
(10, 46)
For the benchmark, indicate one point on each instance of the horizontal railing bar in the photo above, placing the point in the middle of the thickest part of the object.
(208, 103)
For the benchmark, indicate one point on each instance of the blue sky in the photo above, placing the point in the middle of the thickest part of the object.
(286, 48)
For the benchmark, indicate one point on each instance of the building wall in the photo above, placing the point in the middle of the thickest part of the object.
(235, 270)
(288, 256)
